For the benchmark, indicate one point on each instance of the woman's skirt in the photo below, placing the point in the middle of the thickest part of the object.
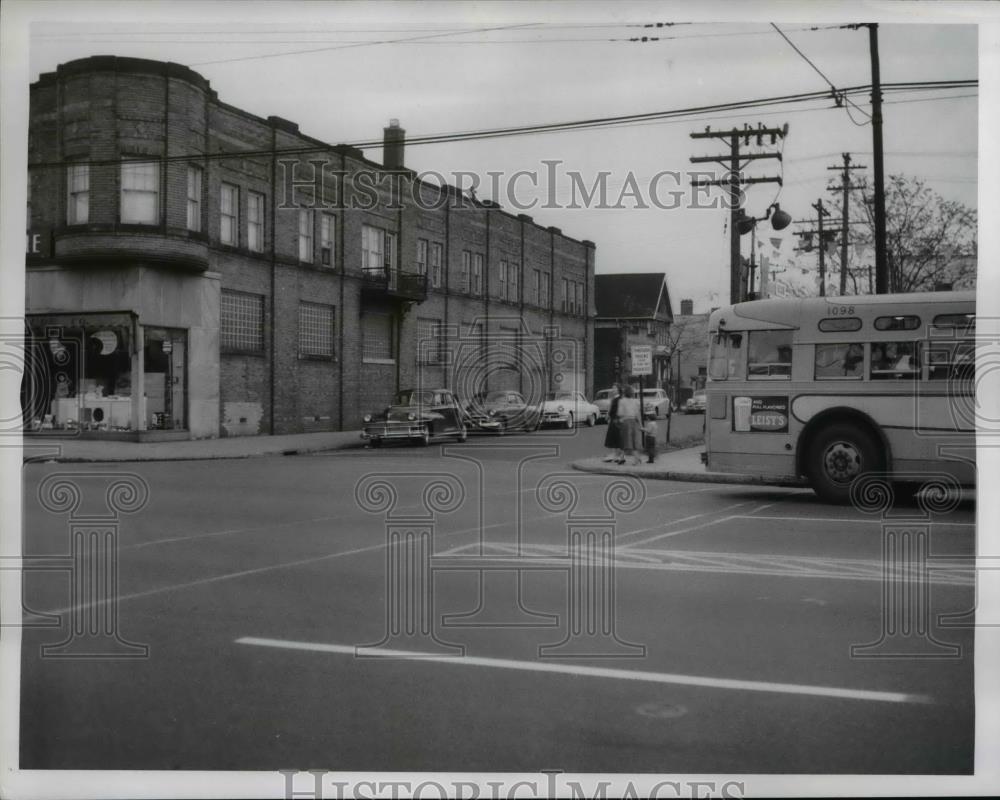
(613, 437)
(630, 434)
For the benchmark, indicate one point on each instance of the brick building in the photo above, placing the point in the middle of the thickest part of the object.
(194, 270)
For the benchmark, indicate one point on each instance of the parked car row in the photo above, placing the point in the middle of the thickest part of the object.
(423, 415)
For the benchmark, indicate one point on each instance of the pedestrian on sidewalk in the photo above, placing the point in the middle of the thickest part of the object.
(649, 433)
(629, 413)
(612, 439)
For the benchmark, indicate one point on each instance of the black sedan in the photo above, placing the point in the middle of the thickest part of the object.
(416, 415)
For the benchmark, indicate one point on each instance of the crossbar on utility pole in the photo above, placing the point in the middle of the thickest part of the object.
(735, 182)
(845, 186)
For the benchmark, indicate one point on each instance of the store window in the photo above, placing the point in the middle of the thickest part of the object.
(79, 374)
(140, 198)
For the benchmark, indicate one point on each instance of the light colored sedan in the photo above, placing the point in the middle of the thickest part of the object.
(603, 402)
(655, 403)
(568, 409)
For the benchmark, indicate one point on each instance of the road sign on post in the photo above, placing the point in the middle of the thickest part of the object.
(642, 359)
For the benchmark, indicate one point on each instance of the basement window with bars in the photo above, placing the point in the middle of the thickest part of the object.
(241, 326)
(316, 331)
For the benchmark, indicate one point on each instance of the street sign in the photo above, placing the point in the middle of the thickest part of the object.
(642, 359)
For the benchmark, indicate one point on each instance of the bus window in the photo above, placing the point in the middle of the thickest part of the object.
(897, 323)
(726, 356)
(891, 360)
(836, 324)
(770, 354)
(839, 361)
(950, 361)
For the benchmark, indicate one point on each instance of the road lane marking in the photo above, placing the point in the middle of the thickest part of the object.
(594, 672)
(776, 565)
(839, 520)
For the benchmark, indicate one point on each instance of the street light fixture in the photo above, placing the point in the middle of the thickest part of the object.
(779, 220)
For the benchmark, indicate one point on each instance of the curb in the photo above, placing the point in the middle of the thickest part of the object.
(690, 477)
(140, 458)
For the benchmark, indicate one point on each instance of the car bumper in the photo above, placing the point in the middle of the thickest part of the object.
(486, 424)
(553, 418)
(404, 431)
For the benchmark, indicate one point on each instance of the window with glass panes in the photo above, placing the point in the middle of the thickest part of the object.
(229, 204)
(78, 194)
(512, 283)
(306, 235)
(377, 337)
(241, 322)
(437, 260)
(255, 221)
(378, 249)
(503, 280)
(316, 330)
(466, 271)
(477, 274)
(194, 198)
(422, 256)
(140, 192)
(327, 231)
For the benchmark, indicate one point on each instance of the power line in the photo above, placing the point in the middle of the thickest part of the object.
(359, 44)
(554, 127)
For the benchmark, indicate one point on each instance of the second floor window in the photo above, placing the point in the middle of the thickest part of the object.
(378, 249)
(477, 274)
(512, 283)
(140, 201)
(503, 280)
(327, 230)
(194, 199)
(422, 256)
(466, 271)
(255, 221)
(538, 286)
(78, 194)
(229, 203)
(437, 251)
(305, 235)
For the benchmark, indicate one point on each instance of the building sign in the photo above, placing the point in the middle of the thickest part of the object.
(760, 414)
(642, 359)
(38, 244)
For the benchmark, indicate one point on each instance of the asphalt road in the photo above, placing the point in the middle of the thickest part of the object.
(719, 642)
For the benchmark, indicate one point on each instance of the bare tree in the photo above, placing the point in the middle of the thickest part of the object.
(929, 240)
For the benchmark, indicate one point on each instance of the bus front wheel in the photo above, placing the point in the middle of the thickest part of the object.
(837, 456)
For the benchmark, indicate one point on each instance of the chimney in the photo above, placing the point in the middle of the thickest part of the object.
(687, 308)
(392, 145)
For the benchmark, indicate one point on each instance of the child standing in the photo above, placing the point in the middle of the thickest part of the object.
(649, 439)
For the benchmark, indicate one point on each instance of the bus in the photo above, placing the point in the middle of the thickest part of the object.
(824, 389)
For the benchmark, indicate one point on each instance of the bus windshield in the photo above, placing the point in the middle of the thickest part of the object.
(726, 359)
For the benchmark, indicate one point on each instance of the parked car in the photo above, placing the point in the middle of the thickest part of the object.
(501, 411)
(603, 402)
(655, 403)
(568, 409)
(695, 404)
(416, 415)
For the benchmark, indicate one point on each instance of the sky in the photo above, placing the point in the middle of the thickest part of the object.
(342, 71)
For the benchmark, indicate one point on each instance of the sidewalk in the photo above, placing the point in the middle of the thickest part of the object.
(676, 465)
(70, 450)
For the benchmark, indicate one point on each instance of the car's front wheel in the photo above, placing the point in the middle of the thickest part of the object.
(570, 423)
(592, 420)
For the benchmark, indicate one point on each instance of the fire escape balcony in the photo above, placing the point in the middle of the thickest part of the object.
(387, 282)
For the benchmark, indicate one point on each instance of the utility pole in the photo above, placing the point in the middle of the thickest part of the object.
(845, 186)
(735, 182)
(881, 259)
(822, 234)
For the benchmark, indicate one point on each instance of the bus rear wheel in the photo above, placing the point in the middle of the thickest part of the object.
(837, 456)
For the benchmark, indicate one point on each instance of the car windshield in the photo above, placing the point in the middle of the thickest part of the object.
(650, 392)
(559, 396)
(412, 397)
(604, 394)
(699, 396)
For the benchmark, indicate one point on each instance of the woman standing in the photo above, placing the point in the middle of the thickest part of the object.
(629, 413)
(612, 439)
